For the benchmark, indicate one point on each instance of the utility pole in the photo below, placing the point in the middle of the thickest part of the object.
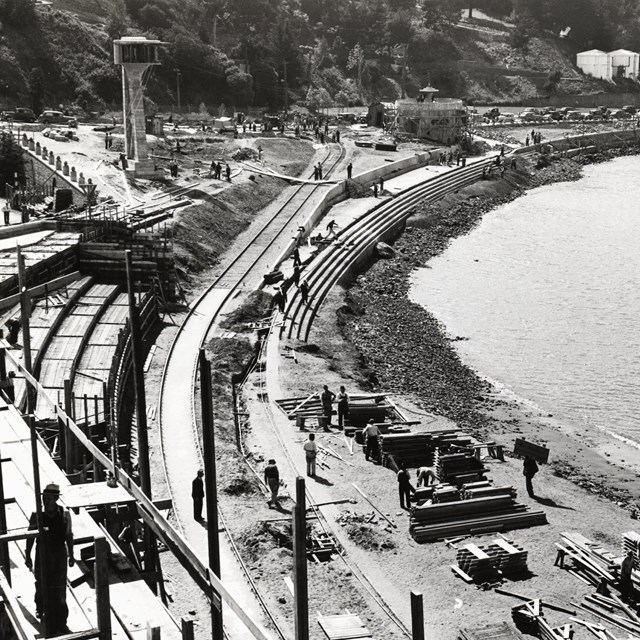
(210, 492)
(286, 89)
(404, 71)
(300, 586)
(178, 74)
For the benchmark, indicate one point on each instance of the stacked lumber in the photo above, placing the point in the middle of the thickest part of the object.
(436, 521)
(631, 542)
(445, 493)
(589, 562)
(471, 492)
(417, 449)
(478, 564)
(511, 559)
(422, 494)
(500, 631)
(458, 468)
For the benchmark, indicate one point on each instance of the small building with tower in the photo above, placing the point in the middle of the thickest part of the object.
(427, 117)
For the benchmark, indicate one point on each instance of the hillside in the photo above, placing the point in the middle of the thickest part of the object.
(249, 53)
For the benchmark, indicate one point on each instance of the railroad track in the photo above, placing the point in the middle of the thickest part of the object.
(318, 515)
(358, 239)
(179, 437)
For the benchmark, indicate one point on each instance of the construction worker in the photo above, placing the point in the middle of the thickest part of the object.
(426, 476)
(272, 480)
(310, 452)
(405, 488)
(529, 469)
(626, 582)
(57, 536)
(197, 493)
(370, 437)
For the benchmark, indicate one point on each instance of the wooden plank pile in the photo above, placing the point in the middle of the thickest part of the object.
(490, 562)
(445, 493)
(478, 564)
(343, 627)
(611, 609)
(598, 567)
(482, 515)
(417, 449)
(500, 631)
(483, 489)
(458, 468)
(529, 618)
(362, 407)
(589, 562)
(631, 542)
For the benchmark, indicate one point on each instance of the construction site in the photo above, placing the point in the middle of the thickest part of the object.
(121, 378)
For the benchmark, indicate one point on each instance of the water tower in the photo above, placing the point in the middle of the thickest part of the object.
(135, 55)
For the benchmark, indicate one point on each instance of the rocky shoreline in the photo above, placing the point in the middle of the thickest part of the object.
(405, 349)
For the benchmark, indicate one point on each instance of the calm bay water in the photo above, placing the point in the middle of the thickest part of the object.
(547, 291)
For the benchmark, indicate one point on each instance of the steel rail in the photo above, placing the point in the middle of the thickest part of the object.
(234, 286)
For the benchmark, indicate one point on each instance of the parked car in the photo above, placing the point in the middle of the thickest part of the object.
(492, 114)
(19, 114)
(574, 114)
(630, 109)
(621, 114)
(530, 116)
(57, 117)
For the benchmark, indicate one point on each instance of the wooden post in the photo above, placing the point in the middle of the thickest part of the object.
(65, 432)
(300, 587)
(4, 546)
(187, 629)
(153, 633)
(98, 471)
(417, 616)
(210, 491)
(25, 313)
(150, 556)
(101, 577)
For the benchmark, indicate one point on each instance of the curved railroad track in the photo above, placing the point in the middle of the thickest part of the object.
(180, 444)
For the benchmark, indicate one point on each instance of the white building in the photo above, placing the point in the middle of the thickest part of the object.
(595, 62)
(624, 63)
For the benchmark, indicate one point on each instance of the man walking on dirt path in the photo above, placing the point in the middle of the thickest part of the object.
(310, 452)
(327, 397)
(529, 469)
(272, 480)
(349, 170)
(197, 493)
(405, 488)
(370, 436)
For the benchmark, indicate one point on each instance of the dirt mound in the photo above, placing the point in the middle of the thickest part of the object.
(256, 307)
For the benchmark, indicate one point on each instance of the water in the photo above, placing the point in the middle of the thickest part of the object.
(547, 291)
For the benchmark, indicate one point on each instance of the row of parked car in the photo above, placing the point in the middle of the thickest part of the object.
(554, 114)
(47, 117)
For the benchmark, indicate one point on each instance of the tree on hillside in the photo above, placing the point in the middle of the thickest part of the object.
(356, 61)
(440, 15)
(18, 13)
(117, 22)
(11, 161)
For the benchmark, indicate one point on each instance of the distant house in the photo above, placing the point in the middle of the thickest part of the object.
(595, 62)
(624, 63)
